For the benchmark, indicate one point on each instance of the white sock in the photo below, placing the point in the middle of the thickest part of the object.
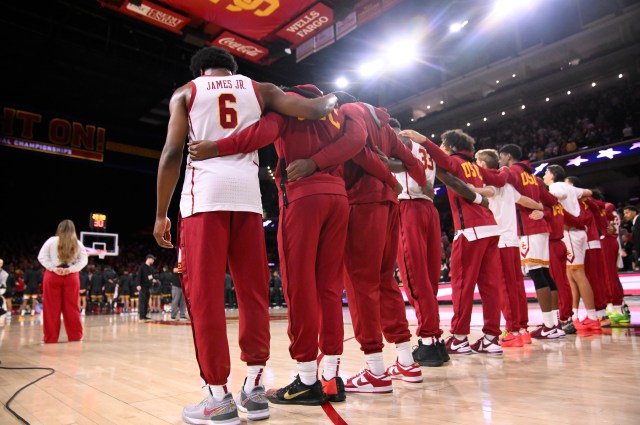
(600, 314)
(547, 319)
(610, 307)
(331, 366)
(375, 362)
(575, 314)
(217, 391)
(618, 309)
(460, 337)
(254, 378)
(591, 314)
(427, 341)
(405, 358)
(555, 316)
(308, 372)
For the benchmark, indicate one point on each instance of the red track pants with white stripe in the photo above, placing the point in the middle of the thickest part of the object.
(208, 241)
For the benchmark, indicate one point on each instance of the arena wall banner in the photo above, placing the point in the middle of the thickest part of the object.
(307, 25)
(253, 19)
(58, 136)
(240, 46)
(156, 15)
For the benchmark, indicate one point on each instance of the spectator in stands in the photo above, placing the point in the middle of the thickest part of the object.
(32, 280)
(178, 304)
(631, 216)
(230, 299)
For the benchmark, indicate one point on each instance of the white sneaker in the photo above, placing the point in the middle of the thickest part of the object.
(487, 345)
(212, 411)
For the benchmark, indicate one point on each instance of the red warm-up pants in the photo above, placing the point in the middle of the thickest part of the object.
(374, 298)
(208, 241)
(594, 269)
(61, 294)
(476, 262)
(513, 296)
(419, 259)
(311, 243)
(610, 249)
(558, 270)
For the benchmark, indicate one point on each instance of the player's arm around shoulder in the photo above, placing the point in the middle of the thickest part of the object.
(274, 98)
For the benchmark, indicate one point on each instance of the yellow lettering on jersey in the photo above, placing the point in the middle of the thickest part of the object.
(585, 205)
(252, 5)
(471, 170)
(558, 210)
(335, 123)
(528, 179)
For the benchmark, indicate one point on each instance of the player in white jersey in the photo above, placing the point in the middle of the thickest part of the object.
(576, 241)
(502, 203)
(221, 223)
(420, 250)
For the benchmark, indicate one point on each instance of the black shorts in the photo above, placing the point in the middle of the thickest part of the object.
(31, 290)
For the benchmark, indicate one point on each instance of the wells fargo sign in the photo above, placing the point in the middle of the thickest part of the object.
(30, 131)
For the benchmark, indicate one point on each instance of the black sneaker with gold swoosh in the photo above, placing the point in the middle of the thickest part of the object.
(299, 393)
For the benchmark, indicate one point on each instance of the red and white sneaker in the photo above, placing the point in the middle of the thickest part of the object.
(487, 345)
(411, 373)
(526, 336)
(543, 332)
(560, 331)
(367, 382)
(457, 346)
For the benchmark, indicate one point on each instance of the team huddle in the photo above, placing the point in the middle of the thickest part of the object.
(356, 200)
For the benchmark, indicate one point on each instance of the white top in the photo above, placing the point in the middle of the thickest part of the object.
(221, 107)
(410, 188)
(568, 196)
(479, 232)
(503, 207)
(48, 256)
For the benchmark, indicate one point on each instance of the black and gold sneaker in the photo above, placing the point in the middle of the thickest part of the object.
(299, 393)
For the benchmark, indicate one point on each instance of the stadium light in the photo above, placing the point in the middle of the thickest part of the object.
(457, 26)
(428, 106)
(468, 124)
(523, 106)
(442, 102)
(503, 8)
(504, 113)
(342, 82)
(513, 75)
(484, 119)
(620, 75)
(546, 99)
(401, 52)
(593, 84)
(497, 81)
(368, 69)
(568, 92)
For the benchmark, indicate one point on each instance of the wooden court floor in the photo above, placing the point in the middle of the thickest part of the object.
(128, 372)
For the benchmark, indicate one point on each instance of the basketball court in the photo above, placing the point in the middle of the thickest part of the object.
(129, 372)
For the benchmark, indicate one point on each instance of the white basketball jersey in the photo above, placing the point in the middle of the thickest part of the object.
(410, 188)
(221, 107)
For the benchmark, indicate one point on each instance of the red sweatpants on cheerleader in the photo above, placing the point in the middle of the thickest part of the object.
(419, 260)
(61, 294)
(610, 249)
(558, 270)
(594, 269)
(375, 301)
(311, 244)
(207, 241)
(476, 262)
(511, 297)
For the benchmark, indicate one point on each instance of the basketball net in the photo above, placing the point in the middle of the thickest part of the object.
(101, 253)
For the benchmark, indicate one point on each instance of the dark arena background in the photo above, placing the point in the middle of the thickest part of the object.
(84, 111)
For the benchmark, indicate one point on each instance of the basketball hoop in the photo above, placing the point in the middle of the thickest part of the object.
(101, 253)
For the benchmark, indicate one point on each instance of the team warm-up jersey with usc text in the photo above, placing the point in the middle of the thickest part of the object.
(410, 188)
(221, 107)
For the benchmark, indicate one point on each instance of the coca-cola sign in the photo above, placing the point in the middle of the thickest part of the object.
(240, 46)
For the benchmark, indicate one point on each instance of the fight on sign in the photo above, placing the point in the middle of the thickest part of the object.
(98, 221)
